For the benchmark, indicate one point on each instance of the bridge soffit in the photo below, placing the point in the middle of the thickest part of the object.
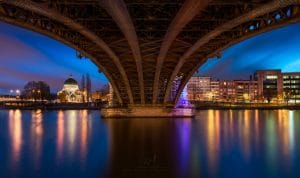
(231, 24)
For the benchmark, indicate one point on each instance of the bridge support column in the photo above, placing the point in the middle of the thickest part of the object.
(147, 112)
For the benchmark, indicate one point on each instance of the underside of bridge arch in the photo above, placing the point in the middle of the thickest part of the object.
(149, 49)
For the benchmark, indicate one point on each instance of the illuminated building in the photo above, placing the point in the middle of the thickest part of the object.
(70, 92)
(206, 89)
(99, 96)
(270, 85)
(215, 90)
(198, 89)
(245, 90)
(253, 91)
(291, 87)
(227, 91)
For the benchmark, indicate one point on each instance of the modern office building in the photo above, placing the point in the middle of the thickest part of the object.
(291, 87)
(270, 85)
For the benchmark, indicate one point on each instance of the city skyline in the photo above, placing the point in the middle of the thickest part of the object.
(42, 58)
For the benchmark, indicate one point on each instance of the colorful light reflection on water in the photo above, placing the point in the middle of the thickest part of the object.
(217, 143)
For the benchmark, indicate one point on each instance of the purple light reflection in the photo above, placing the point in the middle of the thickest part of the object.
(183, 128)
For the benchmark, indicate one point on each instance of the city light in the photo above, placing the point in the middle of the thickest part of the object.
(267, 86)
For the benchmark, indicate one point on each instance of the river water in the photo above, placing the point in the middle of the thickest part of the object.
(217, 143)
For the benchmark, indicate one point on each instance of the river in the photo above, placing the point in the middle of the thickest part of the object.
(216, 143)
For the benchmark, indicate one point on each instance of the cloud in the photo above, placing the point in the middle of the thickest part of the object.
(27, 56)
(278, 49)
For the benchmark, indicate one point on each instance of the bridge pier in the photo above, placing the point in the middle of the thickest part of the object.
(147, 112)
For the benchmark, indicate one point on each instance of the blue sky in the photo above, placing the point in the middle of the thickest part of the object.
(26, 56)
(277, 49)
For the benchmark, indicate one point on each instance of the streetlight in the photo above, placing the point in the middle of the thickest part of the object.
(18, 93)
(39, 92)
(11, 93)
(33, 95)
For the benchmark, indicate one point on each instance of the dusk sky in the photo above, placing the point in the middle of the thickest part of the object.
(27, 56)
(277, 49)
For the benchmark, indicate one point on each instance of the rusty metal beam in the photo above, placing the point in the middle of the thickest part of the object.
(63, 40)
(56, 16)
(118, 10)
(186, 13)
(269, 7)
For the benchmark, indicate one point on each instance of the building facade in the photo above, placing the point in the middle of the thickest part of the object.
(246, 91)
(206, 89)
(227, 91)
(215, 90)
(291, 87)
(270, 85)
(70, 92)
(199, 88)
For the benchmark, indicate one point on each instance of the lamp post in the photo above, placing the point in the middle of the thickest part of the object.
(18, 93)
(33, 94)
(11, 93)
(39, 92)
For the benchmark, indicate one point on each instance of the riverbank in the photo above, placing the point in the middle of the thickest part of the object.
(238, 106)
(51, 106)
(98, 106)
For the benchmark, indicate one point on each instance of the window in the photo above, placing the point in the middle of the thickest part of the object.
(271, 77)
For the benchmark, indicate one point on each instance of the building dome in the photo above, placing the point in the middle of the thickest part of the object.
(70, 91)
(70, 81)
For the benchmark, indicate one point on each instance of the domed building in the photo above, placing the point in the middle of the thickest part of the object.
(70, 92)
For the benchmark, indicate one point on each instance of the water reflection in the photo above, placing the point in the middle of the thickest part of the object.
(36, 135)
(213, 140)
(184, 137)
(83, 134)
(217, 143)
(71, 129)
(15, 130)
(60, 132)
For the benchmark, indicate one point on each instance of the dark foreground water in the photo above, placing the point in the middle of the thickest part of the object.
(244, 143)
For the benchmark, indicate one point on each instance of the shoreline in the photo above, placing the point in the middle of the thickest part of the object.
(250, 106)
(44, 106)
(202, 107)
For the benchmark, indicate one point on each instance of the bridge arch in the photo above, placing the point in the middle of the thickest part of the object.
(218, 51)
(143, 46)
(30, 16)
(288, 14)
(63, 40)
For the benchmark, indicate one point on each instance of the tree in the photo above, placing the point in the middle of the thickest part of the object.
(36, 90)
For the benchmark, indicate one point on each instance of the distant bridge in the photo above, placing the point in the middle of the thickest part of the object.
(143, 46)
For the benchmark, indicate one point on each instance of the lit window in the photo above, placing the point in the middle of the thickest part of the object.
(271, 77)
